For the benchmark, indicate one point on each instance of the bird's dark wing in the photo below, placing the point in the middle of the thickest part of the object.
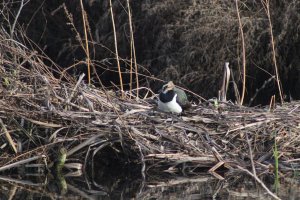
(181, 98)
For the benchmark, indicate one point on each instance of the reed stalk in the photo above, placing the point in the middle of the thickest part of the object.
(276, 160)
(132, 51)
(243, 53)
(87, 51)
(116, 48)
(266, 5)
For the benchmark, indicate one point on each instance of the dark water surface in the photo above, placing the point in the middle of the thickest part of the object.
(204, 186)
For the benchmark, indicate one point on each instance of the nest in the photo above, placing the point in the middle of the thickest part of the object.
(41, 112)
(45, 111)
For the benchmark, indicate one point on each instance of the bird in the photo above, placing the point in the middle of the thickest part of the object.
(172, 99)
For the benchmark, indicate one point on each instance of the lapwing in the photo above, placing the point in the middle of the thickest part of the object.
(172, 99)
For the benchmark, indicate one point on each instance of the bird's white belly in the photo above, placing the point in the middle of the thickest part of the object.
(171, 106)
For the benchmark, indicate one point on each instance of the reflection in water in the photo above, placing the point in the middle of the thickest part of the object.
(133, 187)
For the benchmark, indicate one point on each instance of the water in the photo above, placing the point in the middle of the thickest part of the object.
(164, 186)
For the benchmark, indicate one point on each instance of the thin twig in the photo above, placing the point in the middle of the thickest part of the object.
(16, 19)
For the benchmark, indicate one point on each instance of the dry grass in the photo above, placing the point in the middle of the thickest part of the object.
(44, 108)
(41, 112)
(195, 39)
(187, 42)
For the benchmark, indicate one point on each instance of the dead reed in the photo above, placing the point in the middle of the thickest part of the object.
(86, 49)
(40, 112)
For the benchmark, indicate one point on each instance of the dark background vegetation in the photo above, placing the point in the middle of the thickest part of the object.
(186, 41)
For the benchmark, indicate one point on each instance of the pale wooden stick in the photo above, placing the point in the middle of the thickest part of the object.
(16, 164)
(8, 137)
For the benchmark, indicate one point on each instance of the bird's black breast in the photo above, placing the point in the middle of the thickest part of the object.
(166, 97)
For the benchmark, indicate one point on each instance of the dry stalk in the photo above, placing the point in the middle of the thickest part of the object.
(18, 163)
(132, 50)
(75, 88)
(116, 48)
(8, 137)
(260, 89)
(272, 103)
(143, 161)
(225, 84)
(244, 52)
(86, 49)
(63, 73)
(266, 5)
(251, 155)
(236, 90)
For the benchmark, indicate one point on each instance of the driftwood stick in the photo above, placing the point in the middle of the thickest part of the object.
(18, 163)
(8, 137)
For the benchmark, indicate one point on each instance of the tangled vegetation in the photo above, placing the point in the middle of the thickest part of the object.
(45, 106)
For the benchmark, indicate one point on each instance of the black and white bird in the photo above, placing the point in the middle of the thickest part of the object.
(172, 99)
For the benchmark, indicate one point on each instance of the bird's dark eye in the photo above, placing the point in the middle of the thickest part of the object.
(165, 87)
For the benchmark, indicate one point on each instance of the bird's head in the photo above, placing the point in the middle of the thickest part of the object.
(167, 87)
